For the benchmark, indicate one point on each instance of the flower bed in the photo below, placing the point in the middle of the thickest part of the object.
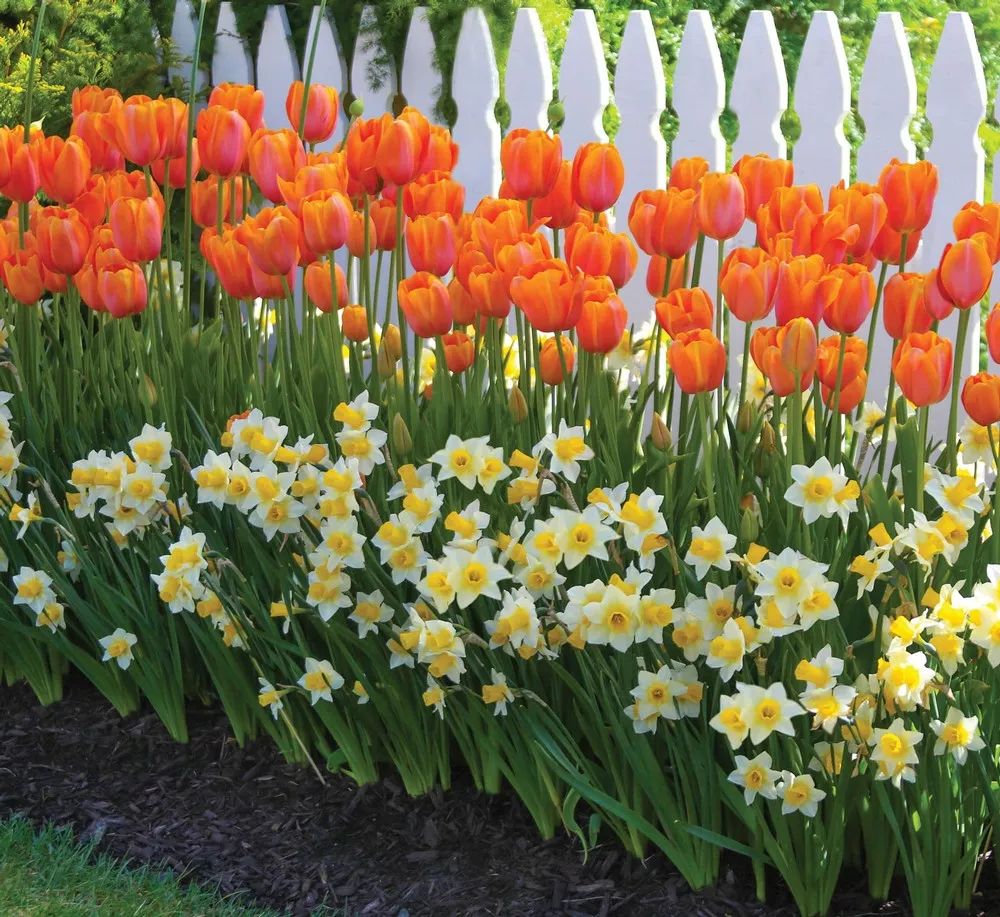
(453, 507)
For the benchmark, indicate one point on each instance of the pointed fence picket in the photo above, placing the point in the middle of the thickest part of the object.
(955, 105)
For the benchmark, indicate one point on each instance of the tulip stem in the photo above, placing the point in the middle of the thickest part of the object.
(699, 251)
(189, 165)
(887, 423)
(956, 378)
(835, 402)
(307, 76)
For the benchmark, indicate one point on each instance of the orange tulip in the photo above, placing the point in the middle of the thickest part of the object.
(319, 286)
(903, 310)
(981, 398)
(748, 283)
(434, 192)
(698, 361)
(401, 147)
(599, 252)
(92, 204)
(64, 167)
(784, 208)
(441, 154)
(95, 130)
(383, 213)
(686, 174)
(321, 111)
(19, 174)
(828, 357)
(598, 176)
(722, 205)
(888, 245)
(921, 365)
(530, 161)
(312, 178)
(23, 276)
(765, 349)
(122, 290)
(685, 310)
(230, 260)
(131, 184)
(356, 235)
(527, 249)
(935, 300)
(550, 362)
(800, 289)
(558, 209)
(425, 303)
(488, 290)
(174, 171)
(993, 333)
(543, 291)
(205, 200)
(908, 190)
(864, 207)
(603, 315)
(797, 342)
(459, 351)
(656, 275)
(496, 223)
(966, 270)
(325, 217)
(272, 237)
(270, 286)
(829, 234)
(760, 176)
(137, 224)
(854, 299)
(975, 218)
(463, 306)
(94, 99)
(248, 101)
(272, 155)
(354, 323)
(223, 140)
(851, 394)
(63, 240)
(430, 242)
(664, 222)
(142, 129)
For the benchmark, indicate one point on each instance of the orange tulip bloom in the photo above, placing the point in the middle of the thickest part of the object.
(975, 218)
(888, 245)
(272, 236)
(854, 300)
(205, 201)
(322, 108)
(599, 252)
(356, 235)
(851, 394)
(765, 349)
(800, 289)
(993, 333)
(797, 341)
(935, 300)
(23, 276)
(829, 234)
(174, 171)
(434, 192)
(248, 101)
(966, 270)
(698, 361)
(828, 355)
(686, 174)
(441, 154)
(425, 303)
(319, 286)
(760, 176)
(903, 308)
(223, 139)
(63, 240)
(272, 155)
(64, 167)
(94, 99)
(722, 205)
(459, 351)
(142, 129)
(921, 365)
(748, 283)
(664, 222)
(231, 262)
(603, 315)
(864, 207)
(543, 291)
(492, 230)
(92, 204)
(530, 161)
(20, 177)
(463, 306)
(94, 129)
(383, 214)
(656, 275)
(908, 190)
(354, 323)
(430, 242)
(558, 209)
(529, 248)
(685, 310)
(550, 364)
(598, 176)
(981, 398)
(270, 286)
(489, 290)
(402, 146)
(137, 224)
(325, 217)
(122, 290)
(783, 210)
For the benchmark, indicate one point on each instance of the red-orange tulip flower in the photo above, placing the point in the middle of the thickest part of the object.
(354, 323)
(908, 190)
(205, 201)
(888, 245)
(981, 398)
(23, 276)
(599, 252)
(921, 366)
(603, 315)
(531, 161)
(326, 176)
(685, 310)
(698, 361)
(543, 291)
(463, 306)
(829, 234)
(765, 349)
(122, 290)
(383, 213)
(722, 205)
(656, 275)
(272, 155)
(935, 300)
(174, 171)
(550, 362)
(863, 206)
(686, 174)
(425, 303)
(92, 204)
(272, 236)
(430, 242)
(441, 154)
(799, 291)
(230, 260)
(142, 129)
(64, 167)
(356, 235)
(238, 97)
(137, 224)
(489, 290)
(459, 351)
(319, 286)
(223, 139)
(434, 192)
(965, 270)
(797, 341)
(993, 333)
(20, 177)
(664, 222)
(96, 99)
(847, 311)
(497, 226)
(270, 286)
(976, 218)
(326, 220)
(598, 176)
(783, 210)
(511, 258)
(828, 356)
(749, 281)
(760, 176)
(94, 129)
(851, 394)
(402, 146)
(903, 308)
(63, 239)
(558, 209)
(321, 111)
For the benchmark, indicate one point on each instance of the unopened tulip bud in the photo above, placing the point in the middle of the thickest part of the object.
(659, 434)
(744, 420)
(402, 442)
(517, 405)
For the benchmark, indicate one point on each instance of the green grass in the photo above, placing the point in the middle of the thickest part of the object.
(50, 874)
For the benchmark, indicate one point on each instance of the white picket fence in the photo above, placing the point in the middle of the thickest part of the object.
(887, 101)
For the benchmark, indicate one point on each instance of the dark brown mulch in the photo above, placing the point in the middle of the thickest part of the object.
(246, 821)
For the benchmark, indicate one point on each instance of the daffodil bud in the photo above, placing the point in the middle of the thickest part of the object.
(517, 405)
(659, 434)
(744, 420)
(749, 527)
(402, 442)
(768, 439)
(385, 364)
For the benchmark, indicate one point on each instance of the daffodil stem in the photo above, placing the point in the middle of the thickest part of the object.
(995, 502)
(887, 423)
(747, 334)
(708, 463)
